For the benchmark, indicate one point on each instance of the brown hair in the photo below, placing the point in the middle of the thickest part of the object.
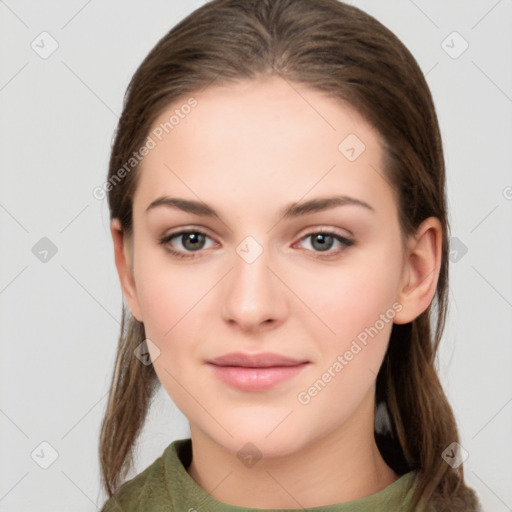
(345, 53)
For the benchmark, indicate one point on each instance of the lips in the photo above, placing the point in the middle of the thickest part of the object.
(255, 372)
(262, 360)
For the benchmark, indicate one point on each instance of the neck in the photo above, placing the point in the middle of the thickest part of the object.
(342, 466)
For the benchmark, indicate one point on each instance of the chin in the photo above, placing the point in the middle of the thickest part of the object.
(262, 437)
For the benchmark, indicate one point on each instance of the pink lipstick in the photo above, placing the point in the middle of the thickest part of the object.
(255, 372)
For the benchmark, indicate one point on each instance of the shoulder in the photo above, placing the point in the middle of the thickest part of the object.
(146, 491)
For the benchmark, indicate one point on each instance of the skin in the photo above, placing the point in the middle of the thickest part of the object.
(248, 150)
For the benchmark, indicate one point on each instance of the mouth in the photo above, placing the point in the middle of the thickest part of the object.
(261, 360)
(255, 372)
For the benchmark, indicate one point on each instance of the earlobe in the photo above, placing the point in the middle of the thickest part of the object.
(123, 260)
(421, 271)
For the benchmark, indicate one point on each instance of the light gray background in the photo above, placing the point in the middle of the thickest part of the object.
(60, 317)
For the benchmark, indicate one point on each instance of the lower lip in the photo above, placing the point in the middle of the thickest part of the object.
(256, 379)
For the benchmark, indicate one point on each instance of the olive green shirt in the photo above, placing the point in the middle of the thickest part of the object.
(165, 486)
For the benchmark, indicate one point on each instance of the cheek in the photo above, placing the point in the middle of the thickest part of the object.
(168, 293)
(170, 301)
(174, 301)
(357, 304)
(352, 296)
(359, 309)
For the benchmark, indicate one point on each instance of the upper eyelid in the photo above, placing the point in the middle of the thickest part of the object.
(187, 229)
(307, 231)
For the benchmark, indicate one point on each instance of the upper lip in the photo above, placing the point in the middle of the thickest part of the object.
(261, 360)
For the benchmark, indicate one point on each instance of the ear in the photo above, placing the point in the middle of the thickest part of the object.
(124, 264)
(421, 271)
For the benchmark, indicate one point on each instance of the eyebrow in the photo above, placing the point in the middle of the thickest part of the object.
(290, 211)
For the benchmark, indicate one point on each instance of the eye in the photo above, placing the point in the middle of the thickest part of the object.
(191, 241)
(185, 243)
(323, 242)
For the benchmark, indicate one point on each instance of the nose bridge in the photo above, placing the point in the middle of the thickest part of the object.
(253, 295)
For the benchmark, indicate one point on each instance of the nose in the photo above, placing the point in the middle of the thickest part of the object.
(254, 297)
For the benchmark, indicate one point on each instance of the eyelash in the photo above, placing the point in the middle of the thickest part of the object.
(165, 241)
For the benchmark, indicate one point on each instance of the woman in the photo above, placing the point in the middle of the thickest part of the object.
(278, 212)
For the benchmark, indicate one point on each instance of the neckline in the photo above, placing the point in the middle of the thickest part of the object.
(194, 497)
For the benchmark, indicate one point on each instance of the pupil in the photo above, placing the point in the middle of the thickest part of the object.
(321, 238)
(194, 238)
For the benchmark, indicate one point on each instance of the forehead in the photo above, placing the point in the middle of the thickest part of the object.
(261, 139)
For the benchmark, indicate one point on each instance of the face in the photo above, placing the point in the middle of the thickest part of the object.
(274, 270)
